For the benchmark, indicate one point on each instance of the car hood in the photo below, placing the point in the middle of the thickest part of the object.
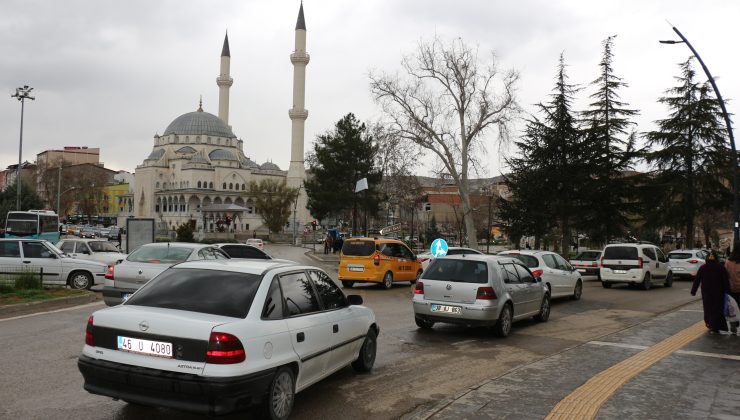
(77, 262)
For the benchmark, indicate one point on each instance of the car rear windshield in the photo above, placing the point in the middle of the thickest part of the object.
(588, 256)
(457, 271)
(160, 254)
(224, 293)
(620, 253)
(358, 248)
(528, 260)
(101, 246)
(679, 255)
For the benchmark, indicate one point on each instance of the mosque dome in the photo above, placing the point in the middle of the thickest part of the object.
(198, 158)
(249, 163)
(222, 154)
(199, 123)
(156, 154)
(269, 166)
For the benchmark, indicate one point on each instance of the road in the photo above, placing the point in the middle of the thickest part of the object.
(414, 368)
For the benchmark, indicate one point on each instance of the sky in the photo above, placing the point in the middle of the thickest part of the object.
(112, 74)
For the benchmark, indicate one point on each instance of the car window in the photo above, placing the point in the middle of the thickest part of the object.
(298, 294)
(679, 255)
(620, 253)
(36, 250)
(10, 249)
(562, 264)
(458, 271)
(650, 253)
(550, 261)
(528, 260)
(239, 251)
(206, 254)
(524, 275)
(509, 273)
(405, 252)
(224, 293)
(661, 256)
(331, 295)
(160, 254)
(68, 247)
(102, 246)
(358, 248)
(82, 248)
(218, 254)
(588, 256)
(273, 308)
(386, 249)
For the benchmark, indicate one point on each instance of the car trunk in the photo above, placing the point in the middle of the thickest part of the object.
(132, 275)
(621, 258)
(454, 280)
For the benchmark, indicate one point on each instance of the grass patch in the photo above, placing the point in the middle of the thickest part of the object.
(12, 297)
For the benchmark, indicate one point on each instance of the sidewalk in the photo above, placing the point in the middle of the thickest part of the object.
(700, 380)
(319, 255)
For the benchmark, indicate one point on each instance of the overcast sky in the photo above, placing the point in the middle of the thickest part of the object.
(112, 74)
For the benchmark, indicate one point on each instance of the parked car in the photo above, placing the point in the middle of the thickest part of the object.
(636, 264)
(113, 232)
(557, 274)
(479, 290)
(58, 269)
(215, 336)
(142, 265)
(382, 261)
(684, 263)
(587, 263)
(91, 249)
(426, 257)
(87, 232)
(243, 251)
(256, 242)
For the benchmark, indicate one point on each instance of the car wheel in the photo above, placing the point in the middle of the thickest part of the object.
(668, 280)
(647, 282)
(544, 314)
(80, 280)
(606, 285)
(348, 284)
(387, 280)
(503, 325)
(423, 323)
(281, 394)
(578, 291)
(368, 351)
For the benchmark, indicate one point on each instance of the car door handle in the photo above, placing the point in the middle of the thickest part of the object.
(300, 337)
(26, 262)
(335, 327)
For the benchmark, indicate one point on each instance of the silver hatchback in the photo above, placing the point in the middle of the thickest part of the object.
(479, 290)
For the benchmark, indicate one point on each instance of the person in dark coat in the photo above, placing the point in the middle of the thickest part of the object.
(713, 279)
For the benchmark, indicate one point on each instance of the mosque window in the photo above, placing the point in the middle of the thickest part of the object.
(210, 185)
(177, 139)
(231, 186)
(156, 208)
(156, 185)
(208, 140)
(224, 186)
(244, 187)
(187, 139)
(197, 139)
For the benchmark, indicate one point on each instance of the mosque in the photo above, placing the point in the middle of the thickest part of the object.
(198, 172)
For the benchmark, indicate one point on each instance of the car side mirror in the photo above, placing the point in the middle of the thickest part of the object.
(354, 299)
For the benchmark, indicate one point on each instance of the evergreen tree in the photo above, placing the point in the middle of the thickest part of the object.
(690, 154)
(341, 158)
(608, 192)
(274, 201)
(8, 200)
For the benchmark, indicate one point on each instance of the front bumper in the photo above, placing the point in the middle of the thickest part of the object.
(180, 391)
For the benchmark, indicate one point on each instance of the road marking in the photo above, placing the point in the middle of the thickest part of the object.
(586, 400)
(464, 342)
(687, 352)
(690, 310)
(71, 308)
(622, 345)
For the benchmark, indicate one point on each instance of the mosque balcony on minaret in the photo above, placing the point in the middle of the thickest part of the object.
(298, 114)
(300, 58)
(224, 81)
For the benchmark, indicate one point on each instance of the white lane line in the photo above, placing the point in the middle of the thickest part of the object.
(686, 352)
(690, 310)
(71, 308)
(464, 342)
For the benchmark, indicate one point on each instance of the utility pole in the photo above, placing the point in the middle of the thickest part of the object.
(21, 93)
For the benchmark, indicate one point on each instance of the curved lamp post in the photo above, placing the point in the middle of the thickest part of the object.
(735, 202)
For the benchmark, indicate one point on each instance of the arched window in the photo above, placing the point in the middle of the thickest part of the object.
(224, 186)
(157, 185)
(198, 184)
(231, 186)
(244, 187)
(210, 185)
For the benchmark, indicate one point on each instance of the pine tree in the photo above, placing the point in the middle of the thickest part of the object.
(690, 155)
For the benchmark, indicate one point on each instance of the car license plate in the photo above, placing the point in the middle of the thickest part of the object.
(447, 309)
(125, 296)
(148, 347)
(620, 271)
(581, 270)
(358, 268)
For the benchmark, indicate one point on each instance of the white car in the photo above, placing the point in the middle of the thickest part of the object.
(255, 242)
(556, 273)
(216, 336)
(685, 263)
(587, 263)
(637, 264)
(426, 258)
(98, 250)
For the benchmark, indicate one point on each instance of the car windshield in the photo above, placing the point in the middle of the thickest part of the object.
(528, 260)
(160, 254)
(358, 248)
(620, 253)
(102, 246)
(457, 271)
(588, 256)
(679, 255)
(224, 293)
(55, 249)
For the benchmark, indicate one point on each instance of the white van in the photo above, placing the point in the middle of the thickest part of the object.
(635, 264)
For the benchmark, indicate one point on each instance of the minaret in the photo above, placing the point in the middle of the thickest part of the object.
(298, 115)
(224, 82)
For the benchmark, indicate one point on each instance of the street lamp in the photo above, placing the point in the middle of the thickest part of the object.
(735, 202)
(295, 210)
(21, 93)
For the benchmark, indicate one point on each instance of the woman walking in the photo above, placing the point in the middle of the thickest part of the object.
(712, 277)
(732, 265)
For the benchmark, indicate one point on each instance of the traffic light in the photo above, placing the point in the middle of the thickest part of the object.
(313, 224)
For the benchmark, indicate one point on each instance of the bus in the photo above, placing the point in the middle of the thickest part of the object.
(33, 224)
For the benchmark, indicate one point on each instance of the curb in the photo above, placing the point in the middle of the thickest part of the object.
(7, 311)
(315, 257)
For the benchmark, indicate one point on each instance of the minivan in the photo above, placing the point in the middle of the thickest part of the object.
(375, 260)
(637, 264)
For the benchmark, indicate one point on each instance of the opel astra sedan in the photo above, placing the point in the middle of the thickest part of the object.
(218, 336)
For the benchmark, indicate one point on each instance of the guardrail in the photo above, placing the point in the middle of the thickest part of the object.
(30, 277)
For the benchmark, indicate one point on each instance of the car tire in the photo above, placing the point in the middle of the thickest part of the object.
(347, 284)
(387, 280)
(503, 325)
(606, 285)
(577, 291)
(80, 280)
(668, 280)
(280, 394)
(647, 282)
(544, 314)
(424, 324)
(368, 351)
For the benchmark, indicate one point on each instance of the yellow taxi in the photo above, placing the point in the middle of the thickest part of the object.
(377, 260)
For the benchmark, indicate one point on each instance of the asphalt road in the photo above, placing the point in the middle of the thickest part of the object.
(413, 369)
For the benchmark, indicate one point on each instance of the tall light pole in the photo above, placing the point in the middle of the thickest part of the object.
(735, 202)
(295, 208)
(21, 93)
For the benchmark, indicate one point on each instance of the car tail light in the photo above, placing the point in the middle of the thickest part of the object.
(693, 261)
(537, 273)
(601, 262)
(419, 289)
(109, 273)
(224, 349)
(376, 259)
(89, 332)
(485, 293)
(593, 264)
(639, 262)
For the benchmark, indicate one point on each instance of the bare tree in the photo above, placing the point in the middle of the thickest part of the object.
(445, 103)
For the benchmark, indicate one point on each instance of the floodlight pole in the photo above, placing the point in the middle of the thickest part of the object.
(21, 93)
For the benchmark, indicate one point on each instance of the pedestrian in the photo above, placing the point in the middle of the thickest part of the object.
(732, 265)
(118, 237)
(712, 277)
(527, 245)
(254, 234)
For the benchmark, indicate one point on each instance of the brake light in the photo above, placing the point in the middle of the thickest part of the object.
(593, 264)
(537, 273)
(693, 261)
(639, 262)
(376, 259)
(419, 289)
(224, 349)
(109, 273)
(485, 293)
(89, 332)
(601, 262)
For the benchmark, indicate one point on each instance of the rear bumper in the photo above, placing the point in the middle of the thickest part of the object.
(180, 391)
(471, 314)
(630, 276)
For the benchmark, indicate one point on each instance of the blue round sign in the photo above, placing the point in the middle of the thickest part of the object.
(439, 247)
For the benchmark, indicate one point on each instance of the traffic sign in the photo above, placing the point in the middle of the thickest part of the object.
(439, 247)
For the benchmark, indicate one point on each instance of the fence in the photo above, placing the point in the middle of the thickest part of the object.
(31, 277)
